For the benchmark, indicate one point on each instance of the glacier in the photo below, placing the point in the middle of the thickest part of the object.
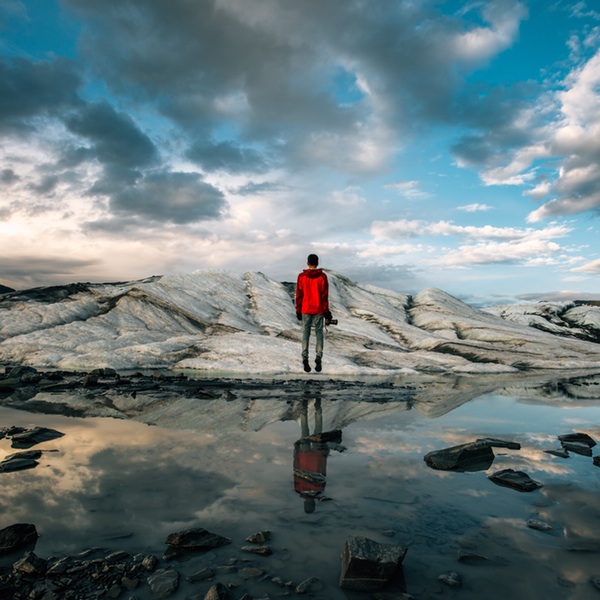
(221, 322)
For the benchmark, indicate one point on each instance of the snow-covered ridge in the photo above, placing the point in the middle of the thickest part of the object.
(228, 322)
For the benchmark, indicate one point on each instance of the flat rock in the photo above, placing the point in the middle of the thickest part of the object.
(517, 480)
(539, 525)
(368, 565)
(578, 448)
(262, 550)
(560, 453)
(164, 582)
(16, 463)
(196, 539)
(579, 438)
(496, 443)
(473, 456)
(16, 536)
(31, 437)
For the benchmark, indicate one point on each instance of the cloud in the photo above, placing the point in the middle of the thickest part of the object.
(8, 177)
(593, 268)
(227, 156)
(24, 271)
(170, 198)
(261, 68)
(409, 190)
(30, 90)
(114, 137)
(474, 207)
(405, 228)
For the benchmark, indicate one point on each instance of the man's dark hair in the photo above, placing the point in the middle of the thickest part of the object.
(313, 260)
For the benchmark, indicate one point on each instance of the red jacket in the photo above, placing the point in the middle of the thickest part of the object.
(312, 292)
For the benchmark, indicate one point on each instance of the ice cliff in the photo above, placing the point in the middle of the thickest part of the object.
(221, 321)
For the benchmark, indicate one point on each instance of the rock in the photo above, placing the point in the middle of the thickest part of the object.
(578, 438)
(304, 586)
(517, 480)
(495, 443)
(217, 592)
(262, 550)
(578, 448)
(451, 579)
(14, 462)
(596, 461)
(196, 539)
(259, 538)
(474, 456)
(31, 564)
(204, 575)
(24, 374)
(164, 582)
(16, 536)
(149, 562)
(31, 437)
(327, 436)
(560, 453)
(470, 558)
(539, 525)
(368, 565)
(249, 572)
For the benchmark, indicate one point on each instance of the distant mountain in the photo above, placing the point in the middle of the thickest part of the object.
(220, 321)
(4, 289)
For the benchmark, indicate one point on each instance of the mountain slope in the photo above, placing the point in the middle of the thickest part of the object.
(222, 321)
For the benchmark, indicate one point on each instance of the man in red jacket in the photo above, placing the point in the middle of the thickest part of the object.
(312, 306)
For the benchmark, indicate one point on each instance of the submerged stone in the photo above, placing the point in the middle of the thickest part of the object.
(451, 579)
(31, 437)
(596, 461)
(16, 536)
(539, 525)
(517, 480)
(259, 538)
(368, 565)
(473, 456)
(560, 453)
(262, 550)
(496, 443)
(196, 539)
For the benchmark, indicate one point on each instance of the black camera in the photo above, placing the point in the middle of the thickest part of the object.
(331, 322)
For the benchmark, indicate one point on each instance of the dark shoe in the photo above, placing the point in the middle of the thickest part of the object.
(306, 365)
(318, 366)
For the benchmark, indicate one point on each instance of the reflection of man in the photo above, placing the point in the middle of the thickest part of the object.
(310, 459)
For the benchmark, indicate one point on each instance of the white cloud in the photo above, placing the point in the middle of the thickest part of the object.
(592, 267)
(409, 190)
(476, 207)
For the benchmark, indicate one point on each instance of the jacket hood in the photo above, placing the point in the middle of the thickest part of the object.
(312, 273)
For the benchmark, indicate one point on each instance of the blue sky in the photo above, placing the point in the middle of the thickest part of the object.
(409, 144)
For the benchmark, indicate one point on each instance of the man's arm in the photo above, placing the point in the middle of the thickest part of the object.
(299, 295)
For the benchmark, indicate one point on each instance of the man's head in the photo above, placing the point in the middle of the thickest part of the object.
(312, 260)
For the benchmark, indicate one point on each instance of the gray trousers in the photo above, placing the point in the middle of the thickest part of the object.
(308, 321)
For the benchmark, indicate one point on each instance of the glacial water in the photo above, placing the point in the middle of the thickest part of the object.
(122, 484)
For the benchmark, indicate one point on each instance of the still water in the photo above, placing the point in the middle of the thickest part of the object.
(123, 484)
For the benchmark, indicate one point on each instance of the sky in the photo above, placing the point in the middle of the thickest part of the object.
(409, 143)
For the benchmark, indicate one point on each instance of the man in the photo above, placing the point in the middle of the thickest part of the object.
(312, 306)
